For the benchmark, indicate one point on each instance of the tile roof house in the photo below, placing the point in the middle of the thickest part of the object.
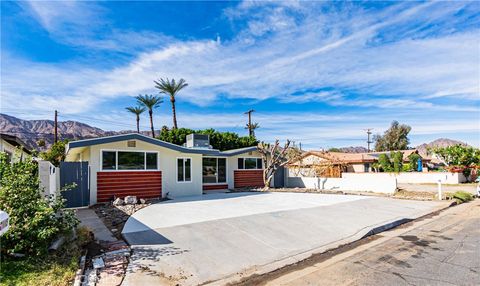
(345, 162)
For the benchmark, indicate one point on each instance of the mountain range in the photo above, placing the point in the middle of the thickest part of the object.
(31, 131)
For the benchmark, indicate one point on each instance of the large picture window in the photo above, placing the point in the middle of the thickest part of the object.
(214, 170)
(184, 169)
(250, 163)
(129, 160)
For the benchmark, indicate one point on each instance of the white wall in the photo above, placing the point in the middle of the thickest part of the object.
(17, 154)
(420, 177)
(353, 182)
(232, 165)
(49, 176)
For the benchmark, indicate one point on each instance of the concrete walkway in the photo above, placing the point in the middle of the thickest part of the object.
(220, 238)
(89, 218)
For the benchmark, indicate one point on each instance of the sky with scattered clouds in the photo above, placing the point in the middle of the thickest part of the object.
(315, 72)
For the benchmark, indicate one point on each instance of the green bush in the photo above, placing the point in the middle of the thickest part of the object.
(35, 221)
(462, 196)
(219, 140)
(385, 163)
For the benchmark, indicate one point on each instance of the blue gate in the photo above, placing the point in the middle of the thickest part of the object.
(75, 173)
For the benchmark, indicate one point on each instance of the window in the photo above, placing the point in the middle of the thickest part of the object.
(366, 167)
(184, 170)
(214, 170)
(9, 156)
(249, 163)
(151, 159)
(109, 160)
(129, 160)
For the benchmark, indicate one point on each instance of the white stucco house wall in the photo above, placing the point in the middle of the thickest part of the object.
(15, 148)
(135, 164)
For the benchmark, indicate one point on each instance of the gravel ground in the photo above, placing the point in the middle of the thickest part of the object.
(114, 217)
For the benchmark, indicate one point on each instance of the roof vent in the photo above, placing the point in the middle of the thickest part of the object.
(131, 143)
(198, 141)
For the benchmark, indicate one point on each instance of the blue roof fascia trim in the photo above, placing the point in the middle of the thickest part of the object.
(131, 136)
(239, 151)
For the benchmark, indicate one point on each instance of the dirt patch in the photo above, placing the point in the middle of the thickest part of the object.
(311, 191)
(115, 217)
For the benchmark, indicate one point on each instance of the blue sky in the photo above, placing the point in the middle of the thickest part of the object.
(315, 72)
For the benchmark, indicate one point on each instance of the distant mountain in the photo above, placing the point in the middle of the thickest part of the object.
(351, 149)
(441, 142)
(31, 131)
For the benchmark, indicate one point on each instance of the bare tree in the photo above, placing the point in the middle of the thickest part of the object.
(274, 157)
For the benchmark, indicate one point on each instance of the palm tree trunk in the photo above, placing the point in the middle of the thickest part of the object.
(138, 123)
(172, 99)
(151, 122)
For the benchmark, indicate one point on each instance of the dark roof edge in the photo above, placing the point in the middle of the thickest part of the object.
(14, 140)
(132, 136)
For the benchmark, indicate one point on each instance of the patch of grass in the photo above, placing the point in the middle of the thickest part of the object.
(53, 270)
(462, 196)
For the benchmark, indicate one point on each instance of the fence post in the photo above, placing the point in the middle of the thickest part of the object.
(439, 182)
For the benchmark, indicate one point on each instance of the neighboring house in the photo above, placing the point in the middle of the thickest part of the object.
(332, 164)
(134, 164)
(15, 148)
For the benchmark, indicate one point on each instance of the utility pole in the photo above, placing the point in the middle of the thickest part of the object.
(250, 130)
(55, 132)
(369, 132)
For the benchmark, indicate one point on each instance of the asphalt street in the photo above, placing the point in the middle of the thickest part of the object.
(442, 250)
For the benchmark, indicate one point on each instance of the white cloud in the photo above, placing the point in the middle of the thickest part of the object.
(354, 56)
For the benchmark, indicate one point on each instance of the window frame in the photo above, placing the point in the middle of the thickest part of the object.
(131, 170)
(176, 170)
(226, 170)
(256, 163)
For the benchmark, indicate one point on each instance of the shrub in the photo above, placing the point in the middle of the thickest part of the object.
(462, 196)
(219, 140)
(34, 220)
(413, 161)
(385, 163)
(56, 153)
(397, 161)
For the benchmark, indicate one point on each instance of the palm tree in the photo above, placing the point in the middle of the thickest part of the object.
(137, 111)
(171, 88)
(150, 102)
(251, 128)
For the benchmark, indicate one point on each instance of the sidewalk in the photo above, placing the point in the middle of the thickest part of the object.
(89, 218)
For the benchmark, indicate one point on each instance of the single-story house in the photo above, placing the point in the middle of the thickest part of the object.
(15, 148)
(134, 164)
(332, 164)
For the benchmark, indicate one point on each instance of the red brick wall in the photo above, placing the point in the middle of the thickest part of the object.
(143, 184)
(248, 178)
(215, 187)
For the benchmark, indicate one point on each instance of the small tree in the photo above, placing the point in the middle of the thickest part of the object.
(395, 138)
(397, 158)
(274, 157)
(458, 155)
(56, 153)
(384, 163)
(413, 161)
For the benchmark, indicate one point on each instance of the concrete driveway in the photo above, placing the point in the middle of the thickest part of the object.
(218, 238)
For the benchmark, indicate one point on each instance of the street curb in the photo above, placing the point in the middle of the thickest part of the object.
(362, 233)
